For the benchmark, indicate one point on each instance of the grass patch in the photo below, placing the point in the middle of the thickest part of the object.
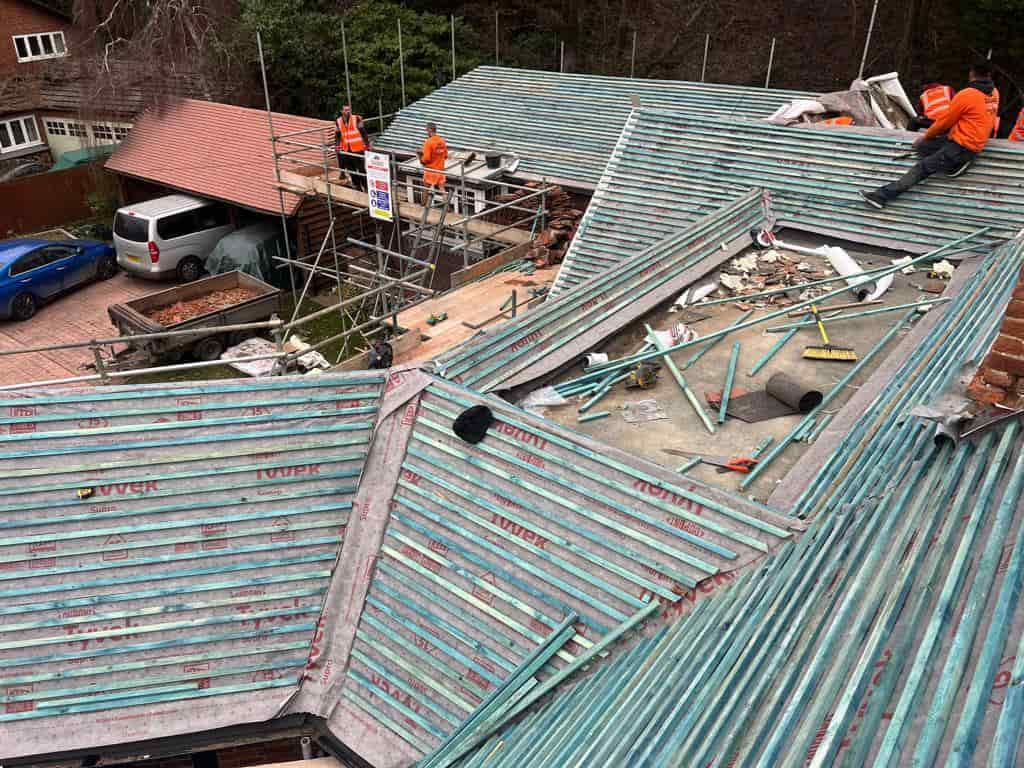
(322, 328)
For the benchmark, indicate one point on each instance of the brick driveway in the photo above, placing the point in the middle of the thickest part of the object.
(78, 316)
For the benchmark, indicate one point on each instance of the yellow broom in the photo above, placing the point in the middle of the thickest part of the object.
(828, 351)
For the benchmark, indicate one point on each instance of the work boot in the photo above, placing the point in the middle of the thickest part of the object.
(873, 199)
(960, 170)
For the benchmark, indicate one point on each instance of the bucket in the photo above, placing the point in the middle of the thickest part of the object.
(493, 159)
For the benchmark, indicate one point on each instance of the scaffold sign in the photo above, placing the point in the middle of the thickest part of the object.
(378, 182)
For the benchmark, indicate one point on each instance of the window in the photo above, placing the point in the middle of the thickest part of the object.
(27, 262)
(56, 127)
(177, 225)
(18, 133)
(77, 129)
(190, 222)
(48, 45)
(131, 228)
(108, 134)
(57, 253)
(210, 216)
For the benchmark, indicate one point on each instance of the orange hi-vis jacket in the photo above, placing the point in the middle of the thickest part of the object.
(935, 101)
(433, 156)
(351, 140)
(1017, 134)
(992, 100)
(968, 121)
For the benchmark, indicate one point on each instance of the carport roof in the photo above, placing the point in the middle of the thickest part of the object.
(215, 150)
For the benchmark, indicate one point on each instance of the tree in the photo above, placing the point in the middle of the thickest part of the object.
(157, 47)
(303, 49)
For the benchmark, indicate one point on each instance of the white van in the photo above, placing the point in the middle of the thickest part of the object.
(169, 237)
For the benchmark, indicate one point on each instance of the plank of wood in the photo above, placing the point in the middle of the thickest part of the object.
(471, 303)
(302, 184)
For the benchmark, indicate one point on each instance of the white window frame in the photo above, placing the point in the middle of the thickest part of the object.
(115, 132)
(106, 128)
(51, 36)
(55, 127)
(24, 120)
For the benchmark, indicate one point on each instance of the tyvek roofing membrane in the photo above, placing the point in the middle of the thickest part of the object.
(192, 579)
(485, 548)
(165, 552)
(563, 328)
(888, 634)
(562, 126)
(669, 168)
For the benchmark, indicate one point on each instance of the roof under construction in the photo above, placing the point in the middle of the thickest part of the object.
(885, 635)
(335, 546)
(669, 168)
(197, 557)
(562, 126)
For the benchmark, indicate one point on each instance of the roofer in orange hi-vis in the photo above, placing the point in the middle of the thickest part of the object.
(433, 155)
(953, 140)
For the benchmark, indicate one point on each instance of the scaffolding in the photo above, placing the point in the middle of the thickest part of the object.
(398, 268)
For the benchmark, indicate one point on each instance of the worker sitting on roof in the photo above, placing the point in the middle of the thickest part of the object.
(935, 100)
(953, 141)
(352, 141)
(433, 156)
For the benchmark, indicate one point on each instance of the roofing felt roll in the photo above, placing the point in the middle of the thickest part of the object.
(782, 396)
(793, 393)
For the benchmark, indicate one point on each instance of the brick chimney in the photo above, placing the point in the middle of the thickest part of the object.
(1000, 378)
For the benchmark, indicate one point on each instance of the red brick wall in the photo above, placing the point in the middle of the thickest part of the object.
(21, 18)
(1000, 378)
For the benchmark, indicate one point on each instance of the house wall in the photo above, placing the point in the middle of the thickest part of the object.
(20, 18)
(1000, 379)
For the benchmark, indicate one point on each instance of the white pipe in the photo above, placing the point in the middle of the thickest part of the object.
(865, 289)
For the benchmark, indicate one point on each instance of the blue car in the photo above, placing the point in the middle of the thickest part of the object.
(34, 271)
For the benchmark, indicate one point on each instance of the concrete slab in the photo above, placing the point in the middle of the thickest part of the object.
(683, 429)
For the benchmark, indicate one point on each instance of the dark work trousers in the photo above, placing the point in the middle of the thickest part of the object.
(355, 166)
(939, 154)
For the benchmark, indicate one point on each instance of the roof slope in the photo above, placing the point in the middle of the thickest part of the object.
(565, 327)
(562, 126)
(181, 558)
(165, 546)
(670, 168)
(215, 150)
(885, 636)
(488, 547)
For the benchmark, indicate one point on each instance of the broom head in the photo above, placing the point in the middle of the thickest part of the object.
(828, 352)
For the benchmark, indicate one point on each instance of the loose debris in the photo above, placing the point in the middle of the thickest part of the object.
(180, 311)
(769, 270)
(942, 270)
(549, 247)
(643, 410)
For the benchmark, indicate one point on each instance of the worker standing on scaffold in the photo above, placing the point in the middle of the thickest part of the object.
(433, 155)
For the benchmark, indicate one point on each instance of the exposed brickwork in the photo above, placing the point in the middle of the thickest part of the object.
(21, 18)
(1000, 378)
